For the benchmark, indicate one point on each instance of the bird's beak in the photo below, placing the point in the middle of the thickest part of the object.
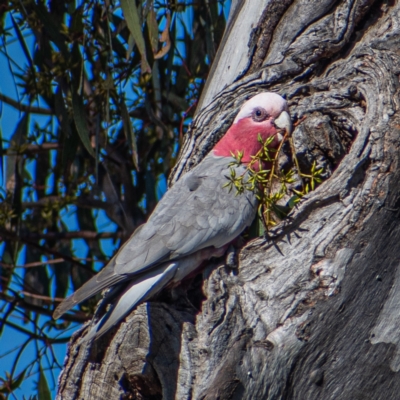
(284, 122)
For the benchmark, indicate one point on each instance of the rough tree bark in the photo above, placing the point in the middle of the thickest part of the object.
(313, 311)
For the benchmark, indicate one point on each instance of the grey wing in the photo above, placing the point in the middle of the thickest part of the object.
(145, 250)
(197, 212)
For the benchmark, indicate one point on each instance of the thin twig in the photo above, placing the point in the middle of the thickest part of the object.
(32, 335)
(44, 249)
(24, 107)
(76, 317)
(272, 173)
(83, 203)
(55, 261)
(40, 297)
(88, 235)
(34, 148)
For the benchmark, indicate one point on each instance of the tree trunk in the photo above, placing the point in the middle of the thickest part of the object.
(312, 311)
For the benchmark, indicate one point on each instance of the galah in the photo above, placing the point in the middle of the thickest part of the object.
(196, 219)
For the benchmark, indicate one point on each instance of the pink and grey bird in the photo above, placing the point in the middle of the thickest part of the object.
(195, 220)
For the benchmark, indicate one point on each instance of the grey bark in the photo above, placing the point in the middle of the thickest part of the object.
(312, 311)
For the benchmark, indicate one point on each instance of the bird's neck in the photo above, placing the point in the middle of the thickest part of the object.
(243, 137)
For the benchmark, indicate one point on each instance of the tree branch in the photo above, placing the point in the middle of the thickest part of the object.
(44, 249)
(76, 317)
(47, 262)
(33, 335)
(41, 297)
(88, 235)
(83, 203)
(25, 107)
(34, 148)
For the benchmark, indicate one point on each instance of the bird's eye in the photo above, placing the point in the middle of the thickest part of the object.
(259, 114)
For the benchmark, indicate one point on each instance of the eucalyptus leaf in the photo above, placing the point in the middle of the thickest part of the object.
(80, 122)
(132, 19)
(43, 390)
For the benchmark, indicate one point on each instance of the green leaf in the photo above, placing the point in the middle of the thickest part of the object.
(78, 107)
(8, 387)
(132, 20)
(80, 121)
(69, 137)
(77, 69)
(51, 27)
(260, 227)
(76, 24)
(298, 193)
(130, 135)
(23, 45)
(131, 45)
(43, 387)
(293, 201)
(152, 27)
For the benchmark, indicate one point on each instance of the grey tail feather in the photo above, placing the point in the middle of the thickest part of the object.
(139, 290)
(90, 288)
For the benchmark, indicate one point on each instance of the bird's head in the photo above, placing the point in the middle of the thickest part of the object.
(265, 114)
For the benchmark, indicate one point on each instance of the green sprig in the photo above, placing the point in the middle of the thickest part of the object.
(271, 185)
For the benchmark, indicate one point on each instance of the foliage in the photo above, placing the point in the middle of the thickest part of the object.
(105, 91)
(272, 185)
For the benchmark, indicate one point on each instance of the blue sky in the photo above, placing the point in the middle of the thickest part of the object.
(12, 341)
